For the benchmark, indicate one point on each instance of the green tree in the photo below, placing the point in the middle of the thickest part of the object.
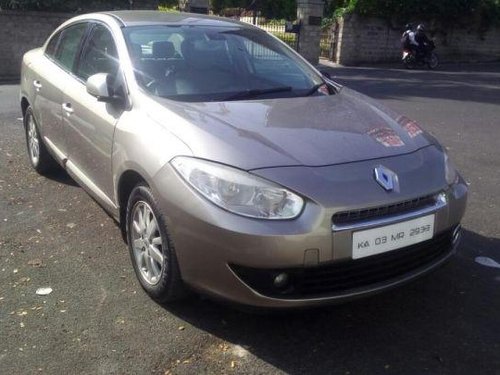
(446, 12)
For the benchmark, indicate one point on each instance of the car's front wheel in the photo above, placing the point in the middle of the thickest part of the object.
(151, 248)
(39, 157)
(409, 62)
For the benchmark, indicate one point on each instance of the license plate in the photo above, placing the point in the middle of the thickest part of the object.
(391, 237)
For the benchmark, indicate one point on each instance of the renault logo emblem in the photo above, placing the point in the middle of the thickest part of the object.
(386, 178)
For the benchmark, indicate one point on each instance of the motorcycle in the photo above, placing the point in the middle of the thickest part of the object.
(412, 59)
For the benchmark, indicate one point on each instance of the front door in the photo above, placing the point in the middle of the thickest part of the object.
(90, 124)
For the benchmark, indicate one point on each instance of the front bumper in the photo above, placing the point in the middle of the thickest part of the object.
(223, 254)
(350, 278)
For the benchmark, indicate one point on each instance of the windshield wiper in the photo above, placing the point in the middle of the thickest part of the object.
(252, 93)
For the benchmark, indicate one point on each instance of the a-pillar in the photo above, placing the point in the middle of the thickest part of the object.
(310, 14)
(194, 6)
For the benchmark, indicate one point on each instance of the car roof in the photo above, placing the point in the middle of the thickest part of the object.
(152, 17)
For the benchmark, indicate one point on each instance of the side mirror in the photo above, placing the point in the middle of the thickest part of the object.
(100, 85)
(329, 80)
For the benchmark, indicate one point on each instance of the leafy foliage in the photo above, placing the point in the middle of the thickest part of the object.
(64, 5)
(442, 11)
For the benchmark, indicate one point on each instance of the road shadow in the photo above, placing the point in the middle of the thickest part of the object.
(446, 323)
(60, 175)
(474, 83)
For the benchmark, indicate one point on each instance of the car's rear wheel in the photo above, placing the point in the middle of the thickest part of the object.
(39, 157)
(151, 248)
(433, 61)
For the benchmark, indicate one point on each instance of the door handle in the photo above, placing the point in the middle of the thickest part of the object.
(68, 108)
(37, 84)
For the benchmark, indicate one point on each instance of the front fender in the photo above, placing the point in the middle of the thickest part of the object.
(144, 146)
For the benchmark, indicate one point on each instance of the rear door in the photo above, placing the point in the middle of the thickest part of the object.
(90, 124)
(51, 77)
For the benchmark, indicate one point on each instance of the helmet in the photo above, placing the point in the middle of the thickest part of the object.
(409, 26)
(421, 27)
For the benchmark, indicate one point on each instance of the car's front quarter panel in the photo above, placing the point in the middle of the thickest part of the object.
(207, 238)
(142, 144)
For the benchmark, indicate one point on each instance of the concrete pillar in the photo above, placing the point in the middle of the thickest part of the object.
(194, 6)
(310, 14)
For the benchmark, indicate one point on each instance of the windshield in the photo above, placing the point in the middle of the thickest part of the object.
(197, 63)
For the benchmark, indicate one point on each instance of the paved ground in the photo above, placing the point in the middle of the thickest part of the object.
(98, 320)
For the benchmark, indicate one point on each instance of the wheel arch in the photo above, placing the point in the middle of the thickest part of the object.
(24, 105)
(126, 183)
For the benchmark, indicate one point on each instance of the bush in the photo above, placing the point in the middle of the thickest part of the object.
(445, 12)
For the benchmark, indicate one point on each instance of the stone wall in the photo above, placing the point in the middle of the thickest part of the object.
(372, 40)
(21, 31)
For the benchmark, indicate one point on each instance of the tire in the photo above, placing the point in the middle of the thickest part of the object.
(433, 61)
(409, 63)
(39, 157)
(151, 248)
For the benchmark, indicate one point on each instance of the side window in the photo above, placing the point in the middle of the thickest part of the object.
(68, 45)
(99, 54)
(50, 50)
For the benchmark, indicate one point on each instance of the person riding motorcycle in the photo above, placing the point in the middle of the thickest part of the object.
(422, 41)
(408, 41)
(405, 38)
(418, 49)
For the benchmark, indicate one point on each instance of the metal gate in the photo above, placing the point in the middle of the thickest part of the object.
(328, 43)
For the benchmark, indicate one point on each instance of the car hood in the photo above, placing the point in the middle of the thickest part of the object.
(310, 131)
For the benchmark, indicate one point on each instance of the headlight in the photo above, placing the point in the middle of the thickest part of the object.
(450, 170)
(238, 191)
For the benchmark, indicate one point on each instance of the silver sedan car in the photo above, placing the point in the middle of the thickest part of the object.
(233, 166)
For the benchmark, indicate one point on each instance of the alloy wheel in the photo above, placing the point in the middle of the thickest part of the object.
(33, 141)
(147, 243)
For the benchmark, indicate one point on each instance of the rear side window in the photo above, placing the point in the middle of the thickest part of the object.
(69, 44)
(52, 45)
(99, 54)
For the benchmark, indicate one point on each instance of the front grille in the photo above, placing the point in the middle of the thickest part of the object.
(355, 216)
(347, 276)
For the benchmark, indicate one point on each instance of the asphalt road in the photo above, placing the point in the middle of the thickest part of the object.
(97, 320)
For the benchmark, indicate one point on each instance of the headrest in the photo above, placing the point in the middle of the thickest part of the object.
(135, 50)
(202, 53)
(163, 50)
